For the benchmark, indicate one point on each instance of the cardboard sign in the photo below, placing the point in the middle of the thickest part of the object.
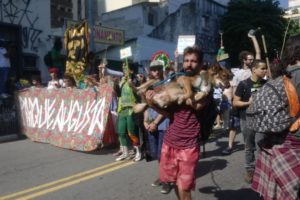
(108, 35)
(68, 118)
(185, 41)
(125, 53)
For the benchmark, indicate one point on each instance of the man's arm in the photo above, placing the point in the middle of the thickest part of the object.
(146, 122)
(105, 71)
(176, 61)
(238, 94)
(153, 126)
(197, 105)
(149, 96)
(237, 102)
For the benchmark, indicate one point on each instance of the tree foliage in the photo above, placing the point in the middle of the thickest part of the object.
(294, 27)
(244, 15)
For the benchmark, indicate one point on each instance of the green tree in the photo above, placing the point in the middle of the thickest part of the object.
(294, 27)
(244, 15)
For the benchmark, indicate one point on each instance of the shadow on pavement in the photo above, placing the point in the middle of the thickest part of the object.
(218, 151)
(243, 193)
(105, 150)
(205, 167)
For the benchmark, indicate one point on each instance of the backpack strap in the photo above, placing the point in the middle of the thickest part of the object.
(293, 100)
(292, 96)
(274, 90)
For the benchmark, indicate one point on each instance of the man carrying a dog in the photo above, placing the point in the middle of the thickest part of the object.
(181, 149)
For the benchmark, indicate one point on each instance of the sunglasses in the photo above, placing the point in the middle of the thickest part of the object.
(155, 69)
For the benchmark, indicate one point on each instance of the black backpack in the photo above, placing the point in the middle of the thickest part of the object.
(48, 59)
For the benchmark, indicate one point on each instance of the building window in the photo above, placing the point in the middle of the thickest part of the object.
(29, 61)
(79, 9)
(151, 19)
(204, 21)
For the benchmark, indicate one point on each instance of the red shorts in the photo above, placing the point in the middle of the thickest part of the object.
(179, 166)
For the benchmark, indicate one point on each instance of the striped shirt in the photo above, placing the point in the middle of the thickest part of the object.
(184, 129)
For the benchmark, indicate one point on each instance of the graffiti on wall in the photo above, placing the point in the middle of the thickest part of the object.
(14, 12)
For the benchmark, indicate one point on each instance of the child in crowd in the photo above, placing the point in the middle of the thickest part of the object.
(68, 82)
(36, 81)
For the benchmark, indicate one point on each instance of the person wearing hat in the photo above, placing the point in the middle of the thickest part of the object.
(54, 82)
(156, 124)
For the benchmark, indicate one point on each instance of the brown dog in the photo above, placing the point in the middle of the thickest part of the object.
(179, 91)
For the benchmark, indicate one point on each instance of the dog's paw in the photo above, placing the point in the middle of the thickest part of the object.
(141, 91)
(180, 100)
(199, 95)
(140, 107)
(189, 102)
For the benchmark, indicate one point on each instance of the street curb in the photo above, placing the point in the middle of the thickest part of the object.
(7, 138)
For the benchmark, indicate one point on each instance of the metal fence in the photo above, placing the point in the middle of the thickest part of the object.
(8, 117)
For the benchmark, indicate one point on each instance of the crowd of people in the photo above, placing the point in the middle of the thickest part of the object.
(172, 135)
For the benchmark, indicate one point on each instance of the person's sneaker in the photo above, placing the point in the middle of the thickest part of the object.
(227, 151)
(156, 183)
(122, 157)
(118, 153)
(166, 188)
(138, 157)
(131, 152)
(249, 176)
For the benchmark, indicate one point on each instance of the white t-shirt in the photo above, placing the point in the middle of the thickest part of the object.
(217, 93)
(239, 75)
(4, 61)
(53, 84)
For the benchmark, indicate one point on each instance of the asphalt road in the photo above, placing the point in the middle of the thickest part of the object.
(30, 170)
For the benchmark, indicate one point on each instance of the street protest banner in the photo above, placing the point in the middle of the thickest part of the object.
(68, 118)
(185, 41)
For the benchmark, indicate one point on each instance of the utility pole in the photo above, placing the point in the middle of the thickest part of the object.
(91, 23)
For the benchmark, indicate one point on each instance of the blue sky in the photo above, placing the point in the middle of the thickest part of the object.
(283, 3)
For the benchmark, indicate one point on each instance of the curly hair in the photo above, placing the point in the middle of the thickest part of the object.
(194, 50)
(243, 55)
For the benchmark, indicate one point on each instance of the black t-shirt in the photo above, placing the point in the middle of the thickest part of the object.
(247, 87)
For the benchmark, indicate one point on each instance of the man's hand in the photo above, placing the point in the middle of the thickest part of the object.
(149, 95)
(101, 66)
(195, 105)
(152, 127)
(146, 125)
(250, 101)
(176, 54)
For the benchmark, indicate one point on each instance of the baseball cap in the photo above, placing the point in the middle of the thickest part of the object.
(157, 64)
